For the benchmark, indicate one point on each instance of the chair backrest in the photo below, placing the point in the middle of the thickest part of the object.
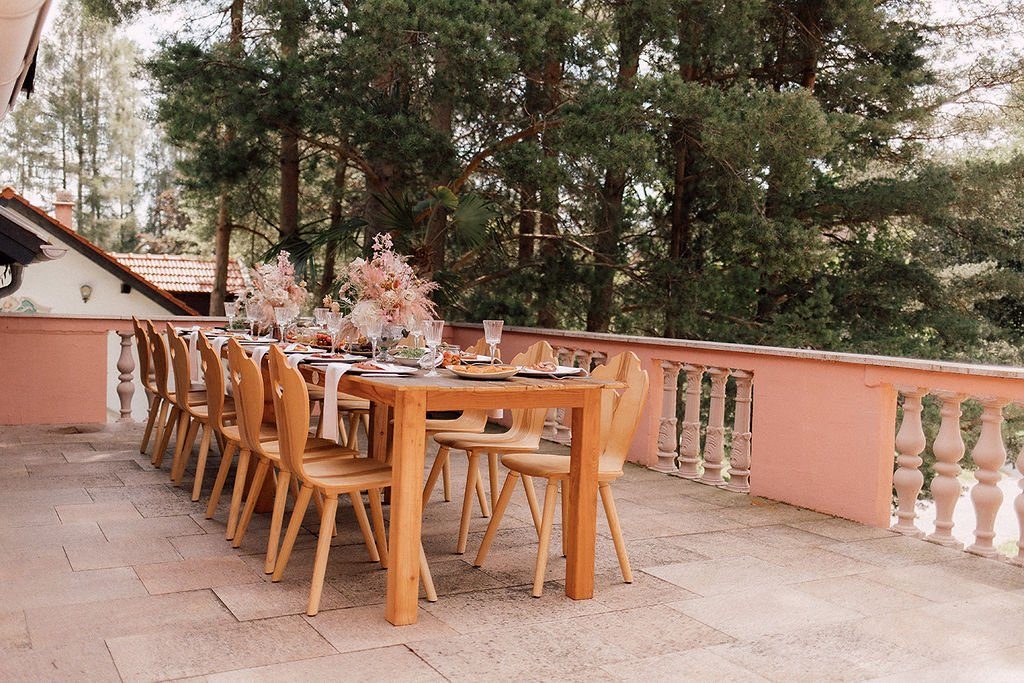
(627, 405)
(482, 348)
(142, 347)
(247, 380)
(179, 366)
(158, 355)
(528, 423)
(291, 408)
(213, 376)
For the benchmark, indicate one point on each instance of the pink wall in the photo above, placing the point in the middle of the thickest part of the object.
(54, 369)
(823, 423)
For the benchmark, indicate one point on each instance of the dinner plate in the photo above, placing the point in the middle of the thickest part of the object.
(386, 369)
(474, 358)
(560, 371)
(466, 372)
(341, 358)
(258, 340)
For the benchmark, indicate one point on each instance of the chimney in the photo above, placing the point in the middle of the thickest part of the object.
(63, 208)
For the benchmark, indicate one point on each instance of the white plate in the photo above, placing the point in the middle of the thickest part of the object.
(386, 369)
(345, 358)
(560, 371)
(462, 373)
(258, 340)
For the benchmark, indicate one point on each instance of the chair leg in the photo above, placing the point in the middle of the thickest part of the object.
(377, 514)
(250, 501)
(294, 524)
(492, 470)
(158, 426)
(613, 525)
(276, 520)
(227, 455)
(181, 458)
(342, 431)
(318, 500)
(204, 451)
(531, 498)
(364, 525)
(440, 462)
(550, 496)
(352, 440)
(237, 492)
(564, 486)
(169, 418)
(319, 433)
(183, 425)
(150, 420)
(447, 472)
(323, 547)
(499, 510)
(426, 578)
(467, 502)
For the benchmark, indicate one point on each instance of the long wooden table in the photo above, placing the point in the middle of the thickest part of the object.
(409, 399)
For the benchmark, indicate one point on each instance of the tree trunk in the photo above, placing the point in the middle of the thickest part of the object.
(291, 23)
(441, 114)
(222, 237)
(549, 248)
(331, 254)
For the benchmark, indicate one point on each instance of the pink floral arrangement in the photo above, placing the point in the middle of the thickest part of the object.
(385, 288)
(271, 285)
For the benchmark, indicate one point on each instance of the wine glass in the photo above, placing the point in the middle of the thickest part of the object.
(252, 318)
(334, 321)
(389, 336)
(492, 335)
(283, 314)
(231, 310)
(373, 332)
(320, 316)
(415, 331)
(432, 332)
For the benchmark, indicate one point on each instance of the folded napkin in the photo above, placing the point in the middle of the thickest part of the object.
(258, 352)
(329, 413)
(193, 355)
(295, 358)
(218, 348)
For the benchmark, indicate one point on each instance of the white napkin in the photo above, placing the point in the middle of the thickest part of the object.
(258, 352)
(193, 354)
(329, 415)
(218, 348)
(295, 358)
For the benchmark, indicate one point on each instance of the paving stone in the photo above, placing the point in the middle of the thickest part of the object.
(123, 552)
(35, 562)
(65, 588)
(97, 512)
(13, 633)
(152, 527)
(842, 529)
(22, 539)
(188, 651)
(896, 551)
(89, 662)
(361, 628)
(396, 663)
(124, 617)
(189, 575)
(699, 665)
(84, 456)
(717, 577)
(264, 599)
(861, 594)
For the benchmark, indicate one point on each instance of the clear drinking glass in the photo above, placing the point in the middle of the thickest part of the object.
(416, 331)
(320, 316)
(373, 331)
(231, 310)
(283, 314)
(251, 318)
(390, 335)
(492, 335)
(432, 332)
(334, 321)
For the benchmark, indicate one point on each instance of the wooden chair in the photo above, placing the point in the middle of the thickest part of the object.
(206, 414)
(250, 391)
(616, 438)
(469, 422)
(334, 475)
(148, 382)
(167, 389)
(522, 437)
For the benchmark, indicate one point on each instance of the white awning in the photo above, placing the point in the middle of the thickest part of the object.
(20, 24)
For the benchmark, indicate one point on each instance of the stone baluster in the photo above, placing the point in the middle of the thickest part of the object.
(908, 478)
(668, 440)
(689, 448)
(949, 449)
(989, 454)
(739, 455)
(714, 442)
(126, 368)
(1018, 507)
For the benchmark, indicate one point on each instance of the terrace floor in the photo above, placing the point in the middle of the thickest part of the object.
(110, 573)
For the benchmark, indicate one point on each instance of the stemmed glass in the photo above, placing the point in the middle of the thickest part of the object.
(320, 316)
(252, 317)
(416, 331)
(231, 310)
(334, 321)
(492, 335)
(283, 315)
(432, 331)
(373, 331)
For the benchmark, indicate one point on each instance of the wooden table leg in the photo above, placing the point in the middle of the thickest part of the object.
(580, 536)
(407, 508)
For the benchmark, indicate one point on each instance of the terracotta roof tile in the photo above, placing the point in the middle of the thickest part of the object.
(178, 273)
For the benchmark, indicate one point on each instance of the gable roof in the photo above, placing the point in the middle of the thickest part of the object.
(11, 199)
(179, 273)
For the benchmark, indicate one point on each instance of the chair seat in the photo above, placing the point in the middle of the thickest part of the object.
(202, 411)
(346, 474)
(267, 433)
(549, 466)
(194, 397)
(317, 449)
(485, 441)
(453, 426)
(345, 401)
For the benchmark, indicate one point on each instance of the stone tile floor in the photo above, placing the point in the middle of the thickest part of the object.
(110, 573)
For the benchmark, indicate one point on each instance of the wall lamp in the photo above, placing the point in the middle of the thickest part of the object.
(86, 292)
